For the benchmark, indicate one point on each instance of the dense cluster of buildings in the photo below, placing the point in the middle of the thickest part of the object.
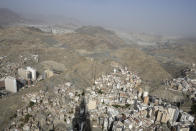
(115, 102)
(186, 83)
(13, 78)
(54, 29)
(25, 78)
(47, 112)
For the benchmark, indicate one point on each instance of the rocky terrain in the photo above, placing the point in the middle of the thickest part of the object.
(84, 54)
(115, 101)
(174, 54)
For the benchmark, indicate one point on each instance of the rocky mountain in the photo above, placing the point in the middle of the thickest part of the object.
(77, 50)
(8, 17)
(94, 30)
(173, 54)
(91, 38)
(80, 57)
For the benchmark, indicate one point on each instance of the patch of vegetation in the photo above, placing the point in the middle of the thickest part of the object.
(116, 106)
(31, 104)
(21, 119)
(83, 93)
(77, 94)
(119, 106)
(100, 91)
(27, 117)
(127, 105)
(70, 112)
(21, 125)
(14, 116)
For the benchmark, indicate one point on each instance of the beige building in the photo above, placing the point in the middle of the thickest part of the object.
(146, 100)
(92, 104)
(159, 116)
(24, 73)
(165, 117)
(48, 73)
(171, 112)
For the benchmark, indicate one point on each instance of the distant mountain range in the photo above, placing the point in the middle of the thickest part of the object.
(8, 17)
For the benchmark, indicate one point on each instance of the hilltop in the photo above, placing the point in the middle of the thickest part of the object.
(91, 39)
(80, 57)
(8, 17)
(77, 50)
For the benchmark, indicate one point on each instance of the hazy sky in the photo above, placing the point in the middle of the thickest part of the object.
(172, 17)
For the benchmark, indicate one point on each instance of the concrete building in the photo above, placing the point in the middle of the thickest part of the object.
(145, 94)
(193, 81)
(48, 73)
(33, 73)
(165, 117)
(180, 128)
(92, 105)
(159, 116)
(25, 74)
(146, 100)
(176, 114)
(180, 87)
(186, 117)
(140, 92)
(11, 84)
(171, 112)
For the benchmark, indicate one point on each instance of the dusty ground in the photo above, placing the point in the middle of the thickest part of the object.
(80, 57)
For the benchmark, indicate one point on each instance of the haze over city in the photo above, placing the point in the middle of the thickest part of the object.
(166, 17)
(97, 65)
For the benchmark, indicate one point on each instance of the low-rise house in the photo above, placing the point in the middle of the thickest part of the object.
(92, 104)
(48, 73)
(25, 74)
(184, 117)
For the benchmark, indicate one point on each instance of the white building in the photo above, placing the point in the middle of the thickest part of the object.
(171, 112)
(11, 84)
(33, 73)
(23, 73)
